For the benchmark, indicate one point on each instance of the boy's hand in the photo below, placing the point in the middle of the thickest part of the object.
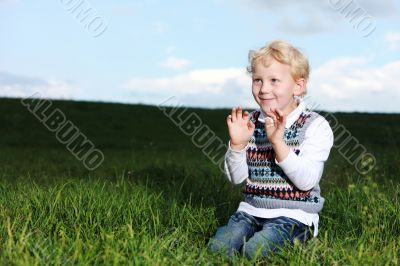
(240, 128)
(275, 125)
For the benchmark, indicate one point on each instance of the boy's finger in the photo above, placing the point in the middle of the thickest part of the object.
(239, 112)
(250, 124)
(271, 114)
(279, 112)
(276, 111)
(229, 119)
(278, 115)
(234, 117)
(269, 122)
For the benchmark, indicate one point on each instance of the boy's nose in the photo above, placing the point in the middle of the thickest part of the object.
(265, 89)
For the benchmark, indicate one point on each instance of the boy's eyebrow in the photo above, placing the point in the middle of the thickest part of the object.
(269, 76)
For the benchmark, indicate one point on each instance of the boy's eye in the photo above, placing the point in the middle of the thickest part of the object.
(274, 80)
(257, 81)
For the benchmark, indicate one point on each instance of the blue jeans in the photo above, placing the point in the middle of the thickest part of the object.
(257, 237)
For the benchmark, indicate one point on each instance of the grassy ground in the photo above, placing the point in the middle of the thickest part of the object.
(156, 199)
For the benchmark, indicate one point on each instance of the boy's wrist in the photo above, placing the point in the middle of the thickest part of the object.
(237, 147)
(281, 150)
(277, 142)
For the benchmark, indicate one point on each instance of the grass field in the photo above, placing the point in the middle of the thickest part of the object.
(156, 199)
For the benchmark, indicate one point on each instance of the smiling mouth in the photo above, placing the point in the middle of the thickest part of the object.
(266, 99)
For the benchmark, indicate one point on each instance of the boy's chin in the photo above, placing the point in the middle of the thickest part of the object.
(266, 107)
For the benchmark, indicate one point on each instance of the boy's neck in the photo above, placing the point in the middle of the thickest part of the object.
(293, 105)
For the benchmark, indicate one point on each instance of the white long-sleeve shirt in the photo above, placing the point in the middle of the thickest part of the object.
(304, 170)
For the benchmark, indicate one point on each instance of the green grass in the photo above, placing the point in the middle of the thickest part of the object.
(156, 199)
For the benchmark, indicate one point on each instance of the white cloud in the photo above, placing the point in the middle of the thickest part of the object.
(175, 63)
(351, 84)
(12, 85)
(393, 39)
(204, 87)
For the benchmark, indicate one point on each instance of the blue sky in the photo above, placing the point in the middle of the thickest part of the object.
(196, 51)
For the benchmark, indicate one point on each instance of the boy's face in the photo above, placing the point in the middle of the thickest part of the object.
(274, 87)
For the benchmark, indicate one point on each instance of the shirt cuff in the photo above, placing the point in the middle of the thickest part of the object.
(240, 151)
(235, 156)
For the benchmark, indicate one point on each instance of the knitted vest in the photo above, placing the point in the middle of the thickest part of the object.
(267, 185)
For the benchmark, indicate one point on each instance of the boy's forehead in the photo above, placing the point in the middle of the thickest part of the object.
(271, 66)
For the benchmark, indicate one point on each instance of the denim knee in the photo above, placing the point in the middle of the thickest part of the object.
(276, 233)
(261, 245)
(229, 238)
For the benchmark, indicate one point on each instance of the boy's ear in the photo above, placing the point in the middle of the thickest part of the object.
(300, 87)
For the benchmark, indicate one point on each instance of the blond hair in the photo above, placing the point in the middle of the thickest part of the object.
(284, 53)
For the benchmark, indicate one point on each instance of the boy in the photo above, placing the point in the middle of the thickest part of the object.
(280, 150)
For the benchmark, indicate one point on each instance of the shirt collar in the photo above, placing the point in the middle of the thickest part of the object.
(292, 117)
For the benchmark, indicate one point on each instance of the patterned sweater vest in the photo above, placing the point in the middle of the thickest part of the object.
(267, 185)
